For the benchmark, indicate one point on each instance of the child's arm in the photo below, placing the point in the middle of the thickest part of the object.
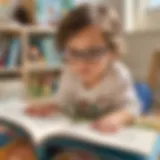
(127, 108)
(57, 104)
(113, 122)
(42, 110)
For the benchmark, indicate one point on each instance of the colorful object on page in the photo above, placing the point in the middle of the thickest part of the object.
(18, 150)
(75, 155)
(149, 122)
(6, 135)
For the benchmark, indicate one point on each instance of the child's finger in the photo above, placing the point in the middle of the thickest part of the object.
(30, 110)
(105, 127)
(108, 129)
(44, 113)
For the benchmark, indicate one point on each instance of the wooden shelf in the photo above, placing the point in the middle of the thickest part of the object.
(11, 28)
(31, 29)
(24, 72)
(35, 29)
(10, 71)
(43, 68)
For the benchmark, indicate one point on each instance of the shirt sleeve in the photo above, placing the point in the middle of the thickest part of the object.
(125, 96)
(63, 96)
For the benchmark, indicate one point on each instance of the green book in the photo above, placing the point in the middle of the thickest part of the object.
(50, 55)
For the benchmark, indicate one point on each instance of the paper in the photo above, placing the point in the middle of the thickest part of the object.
(129, 139)
(13, 111)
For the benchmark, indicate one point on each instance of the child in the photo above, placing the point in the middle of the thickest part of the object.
(94, 83)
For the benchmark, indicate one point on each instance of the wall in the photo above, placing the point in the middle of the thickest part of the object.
(119, 6)
(153, 18)
(141, 46)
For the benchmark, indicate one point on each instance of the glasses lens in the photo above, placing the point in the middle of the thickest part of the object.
(90, 54)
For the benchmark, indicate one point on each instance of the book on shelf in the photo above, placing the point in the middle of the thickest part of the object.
(50, 54)
(13, 54)
(44, 85)
(42, 49)
(50, 12)
(4, 45)
(34, 54)
(9, 53)
(61, 131)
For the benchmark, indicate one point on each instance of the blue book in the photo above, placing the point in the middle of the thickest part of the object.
(13, 55)
(47, 11)
(50, 11)
(37, 42)
(50, 54)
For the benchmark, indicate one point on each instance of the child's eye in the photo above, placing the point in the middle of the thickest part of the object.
(74, 53)
(88, 54)
(98, 51)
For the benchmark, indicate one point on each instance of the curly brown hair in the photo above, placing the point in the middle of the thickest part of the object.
(87, 14)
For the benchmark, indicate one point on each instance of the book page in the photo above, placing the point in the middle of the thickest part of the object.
(128, 139)
(38, 128)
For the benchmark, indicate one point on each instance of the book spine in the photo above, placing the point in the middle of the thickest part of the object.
(36, 49)
(13, 54)
(50, 54)
(47, 85)
(34, 87)
(2, 60)
(40, 11)
(3, 51)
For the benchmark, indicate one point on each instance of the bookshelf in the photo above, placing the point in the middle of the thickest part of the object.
(11, 28)
(43, 68)
(36, 29)
(26, 68)
(10, 71)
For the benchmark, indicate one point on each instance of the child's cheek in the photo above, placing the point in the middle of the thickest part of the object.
(81, 71)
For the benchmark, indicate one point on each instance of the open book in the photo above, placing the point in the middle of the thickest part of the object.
(133, 140)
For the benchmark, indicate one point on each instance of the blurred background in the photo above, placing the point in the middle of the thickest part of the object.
(29, 64)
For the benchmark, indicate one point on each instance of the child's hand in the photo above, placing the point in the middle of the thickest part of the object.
(112, 123)
(43, 110)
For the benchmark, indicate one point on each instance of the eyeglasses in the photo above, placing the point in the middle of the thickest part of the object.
(89, 55)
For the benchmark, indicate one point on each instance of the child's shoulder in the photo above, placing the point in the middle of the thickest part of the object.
(66, 73)
(121, 71)
(67, 77)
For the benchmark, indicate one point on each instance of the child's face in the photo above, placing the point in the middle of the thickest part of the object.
(87, 54)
